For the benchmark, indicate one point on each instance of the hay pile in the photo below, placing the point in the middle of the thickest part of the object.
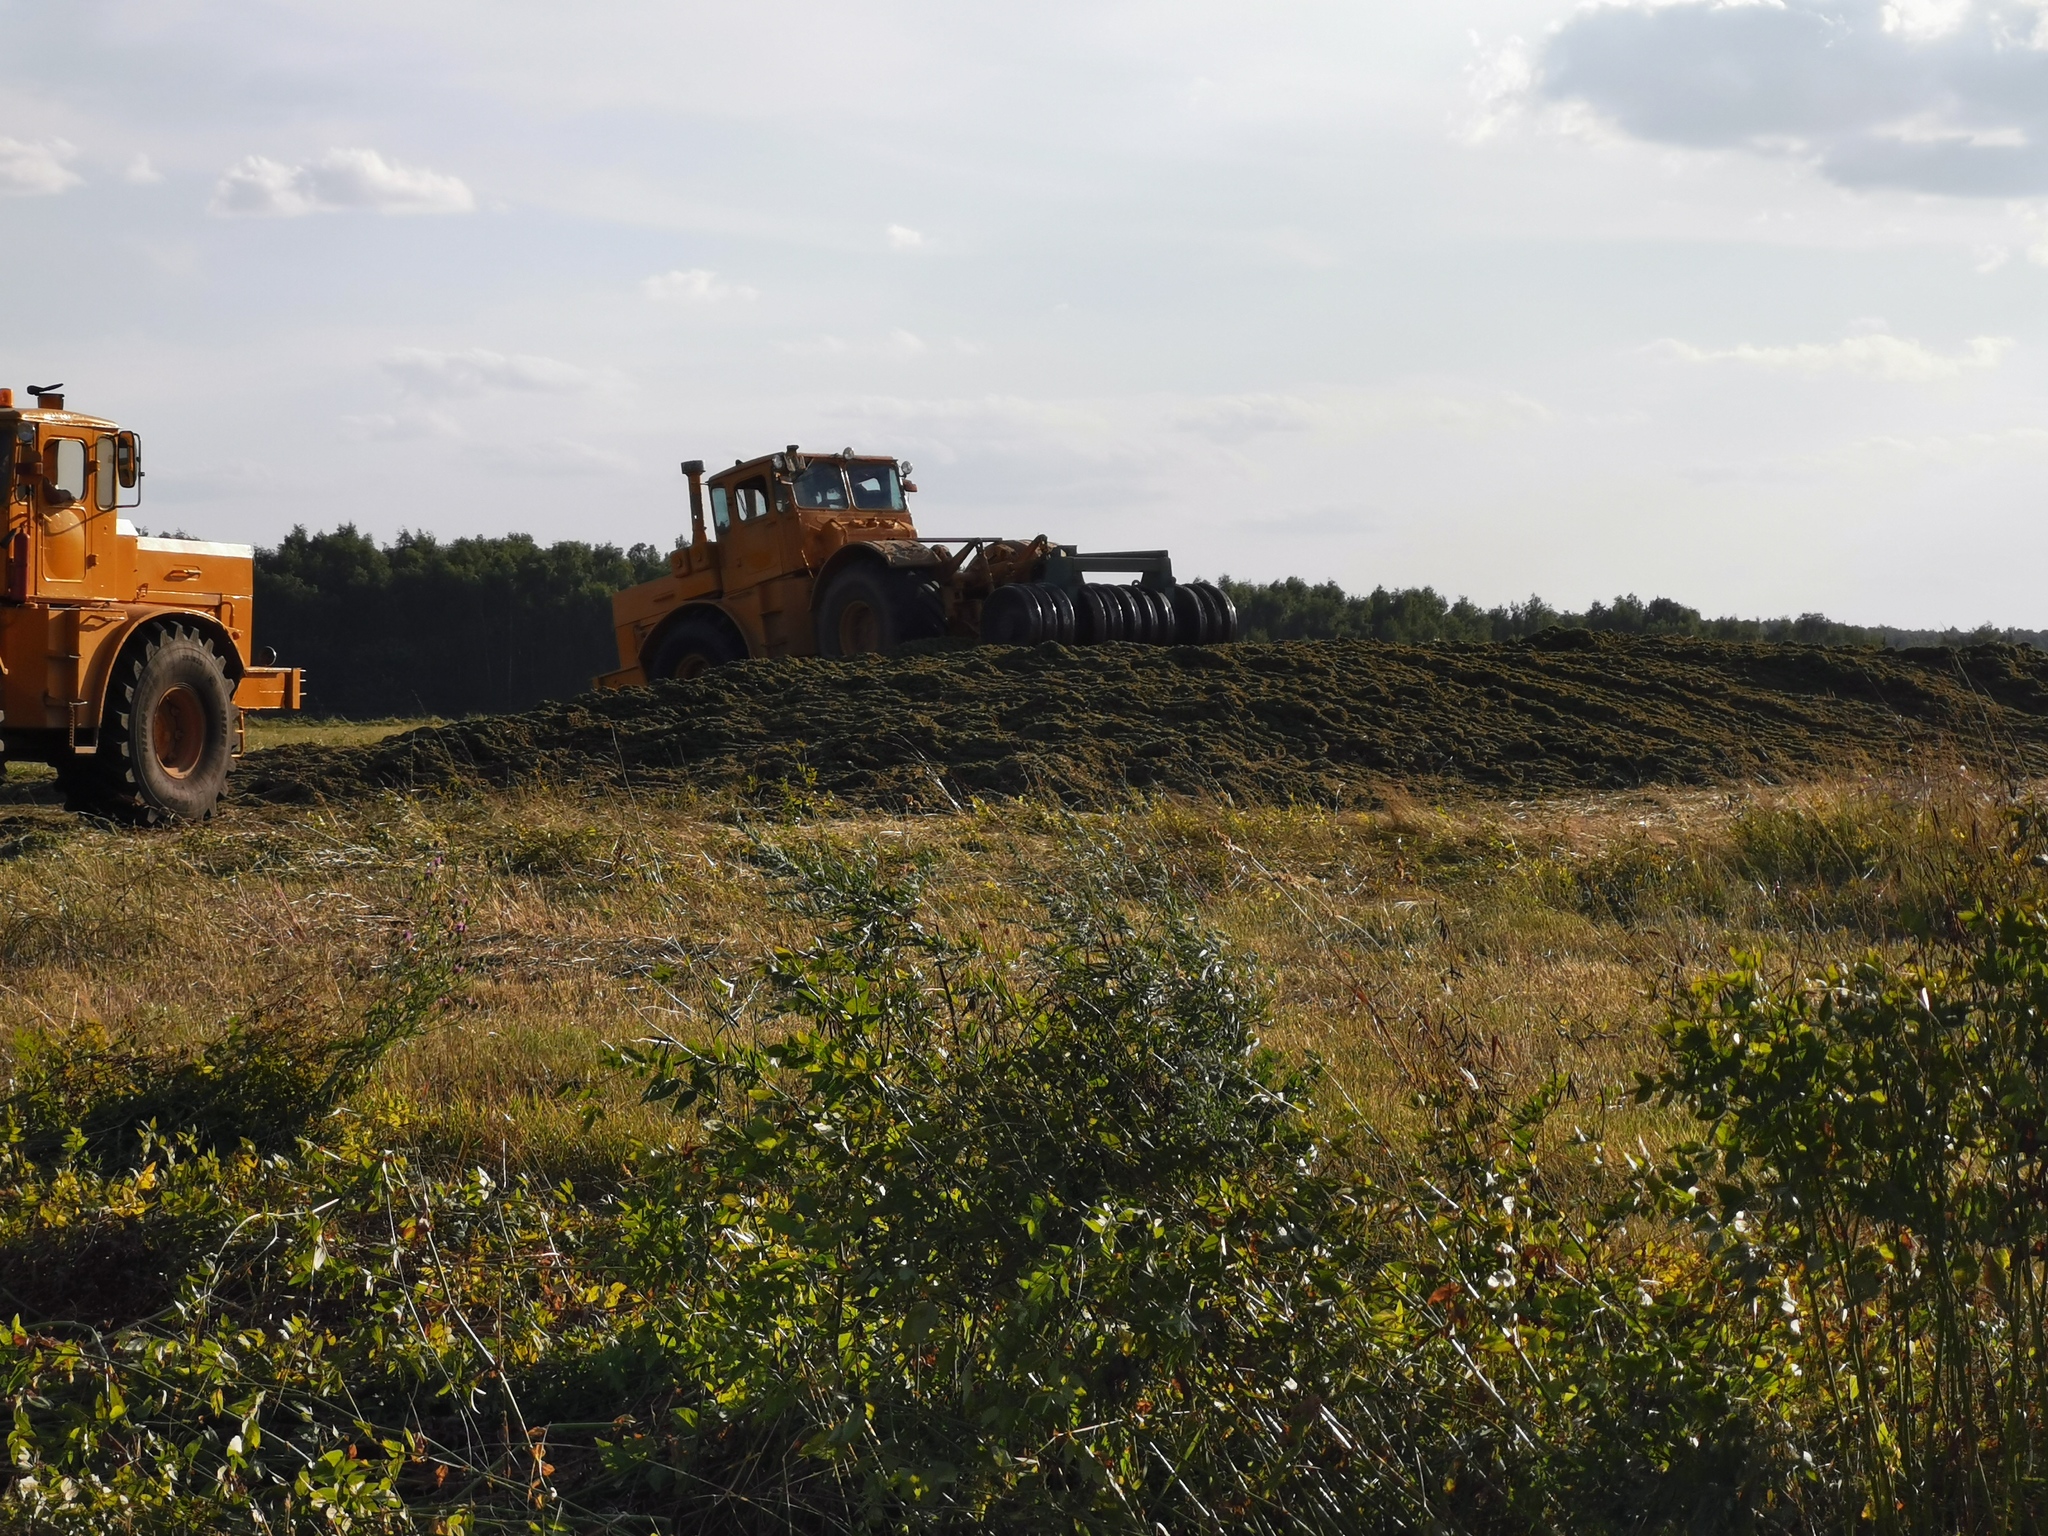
(1296, 722)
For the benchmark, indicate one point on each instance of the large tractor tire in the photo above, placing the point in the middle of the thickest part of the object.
(166, 736)
(868, 609)
(693, 645)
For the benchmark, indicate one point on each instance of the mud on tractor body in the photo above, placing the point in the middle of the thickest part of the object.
(816, 554)
(125, 661)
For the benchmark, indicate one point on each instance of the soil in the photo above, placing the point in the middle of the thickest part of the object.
(1312, 721)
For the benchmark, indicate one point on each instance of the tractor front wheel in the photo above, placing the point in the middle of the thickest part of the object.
(867, 609)
(694, 645)
(166, 736)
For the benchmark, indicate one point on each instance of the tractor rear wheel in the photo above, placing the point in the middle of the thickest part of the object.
(693, 645)
(166, 735)
(868, 608)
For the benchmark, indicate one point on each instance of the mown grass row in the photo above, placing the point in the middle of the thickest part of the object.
(642, 1165)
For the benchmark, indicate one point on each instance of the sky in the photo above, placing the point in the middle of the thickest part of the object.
(1741, 302)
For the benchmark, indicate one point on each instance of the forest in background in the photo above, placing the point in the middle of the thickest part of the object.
(480, 625)
(1294, 610)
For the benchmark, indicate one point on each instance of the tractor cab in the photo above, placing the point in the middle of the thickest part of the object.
(845, 489)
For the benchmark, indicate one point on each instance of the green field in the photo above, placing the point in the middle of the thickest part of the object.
(954, 1190)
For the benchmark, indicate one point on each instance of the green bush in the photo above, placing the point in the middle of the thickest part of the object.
(981, 1245)
(953, 1239)
(1874, 1148)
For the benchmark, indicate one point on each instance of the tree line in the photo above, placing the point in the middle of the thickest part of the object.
(422, 627)
(1294, 610)
(480, 625)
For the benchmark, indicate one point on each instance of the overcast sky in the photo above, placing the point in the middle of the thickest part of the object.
(1739, 303)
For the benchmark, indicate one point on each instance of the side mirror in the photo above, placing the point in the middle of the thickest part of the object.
(127, 459)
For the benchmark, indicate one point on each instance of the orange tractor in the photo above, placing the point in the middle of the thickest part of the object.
(816, 554)
(125, 661)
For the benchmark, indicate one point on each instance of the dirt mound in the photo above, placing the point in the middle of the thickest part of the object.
(1301, 721)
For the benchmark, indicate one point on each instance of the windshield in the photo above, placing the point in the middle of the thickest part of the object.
(875, 488)
(822, 487)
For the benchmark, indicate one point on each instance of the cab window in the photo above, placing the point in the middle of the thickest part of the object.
(822, 488)
(721, 509)
(750, 498)
(875, 487)
(64, 468)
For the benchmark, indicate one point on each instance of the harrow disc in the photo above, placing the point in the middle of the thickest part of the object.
(1012, 616)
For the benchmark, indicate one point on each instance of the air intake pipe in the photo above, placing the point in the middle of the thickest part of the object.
(694, 469)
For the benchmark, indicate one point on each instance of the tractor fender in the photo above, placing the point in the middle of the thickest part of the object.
(669, 621)
(136, 632)
(896, 554)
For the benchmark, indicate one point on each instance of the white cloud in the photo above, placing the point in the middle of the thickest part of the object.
(898, 343)
(340, 180)
(1233, 418)
(814, 346)
(1884, 454)
(563, 457)
(1930, 95)
(35, 170)
(1876, 355)
(142, 173)
(393, 427)
(1347, 415)
(473, 372)
(902, 238)
(694, 286)
(1499, 83)
(1921, 20)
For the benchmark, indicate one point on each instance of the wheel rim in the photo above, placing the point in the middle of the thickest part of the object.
(177, 732)
(693, 664)
(860, 632)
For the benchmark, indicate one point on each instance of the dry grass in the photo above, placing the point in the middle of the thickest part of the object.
(276, 729)
(1508, 939)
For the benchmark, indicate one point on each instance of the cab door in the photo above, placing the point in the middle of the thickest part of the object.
(63, 512)
(753, 541)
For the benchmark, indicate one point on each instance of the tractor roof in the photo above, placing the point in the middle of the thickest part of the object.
(69, 419)
(767, 463)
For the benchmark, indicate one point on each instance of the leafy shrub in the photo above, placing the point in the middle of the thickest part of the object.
(952, 1239)
(1874, 1148)
(981, 1247)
